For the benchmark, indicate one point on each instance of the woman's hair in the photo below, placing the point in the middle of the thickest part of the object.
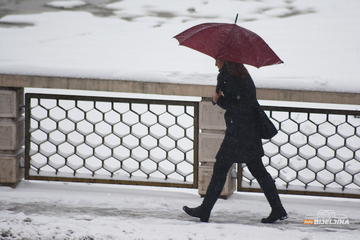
(236, 69)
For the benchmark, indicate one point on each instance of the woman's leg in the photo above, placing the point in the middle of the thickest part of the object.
(267, 184)
(216, 185)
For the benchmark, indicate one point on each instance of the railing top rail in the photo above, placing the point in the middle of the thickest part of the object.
(312, 110)
(108, 99)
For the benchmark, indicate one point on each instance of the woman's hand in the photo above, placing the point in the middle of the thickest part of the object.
(216, 96)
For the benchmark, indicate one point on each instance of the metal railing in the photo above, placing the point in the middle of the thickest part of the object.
(316, 151)
(111, 140)
(155, 142)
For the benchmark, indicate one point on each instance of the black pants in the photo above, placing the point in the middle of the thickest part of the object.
(221, 168)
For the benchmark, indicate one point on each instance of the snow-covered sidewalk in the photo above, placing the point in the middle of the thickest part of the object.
(57, 210)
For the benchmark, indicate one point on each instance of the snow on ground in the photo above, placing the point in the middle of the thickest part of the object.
(54, 210)
(317, 40)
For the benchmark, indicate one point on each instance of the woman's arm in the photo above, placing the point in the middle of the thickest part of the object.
(224, 103)
(217, 95)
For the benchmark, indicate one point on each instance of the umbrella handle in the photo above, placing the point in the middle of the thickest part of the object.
(236, 18)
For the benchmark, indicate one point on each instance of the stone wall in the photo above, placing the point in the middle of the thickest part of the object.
(11, 135)
(212, 127)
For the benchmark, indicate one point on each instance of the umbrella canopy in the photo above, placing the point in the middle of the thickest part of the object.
(229, 42)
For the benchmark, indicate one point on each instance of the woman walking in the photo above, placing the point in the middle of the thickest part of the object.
(236, 93)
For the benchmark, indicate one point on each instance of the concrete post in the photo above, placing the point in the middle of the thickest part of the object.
(11, 135)
(212, 125)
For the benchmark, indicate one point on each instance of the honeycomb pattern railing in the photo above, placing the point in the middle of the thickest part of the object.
(315, 150)
(154, 142)
(111, 140)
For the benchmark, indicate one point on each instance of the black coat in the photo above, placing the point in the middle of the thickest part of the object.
(242, 142)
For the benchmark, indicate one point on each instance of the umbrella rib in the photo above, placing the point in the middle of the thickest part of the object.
(253, 50)
(226, 40)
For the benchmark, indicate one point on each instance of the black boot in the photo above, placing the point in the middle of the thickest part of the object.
(212, 194)
(278, 212)
(198, 212)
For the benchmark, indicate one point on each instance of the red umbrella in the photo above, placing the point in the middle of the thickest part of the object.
(229, 42)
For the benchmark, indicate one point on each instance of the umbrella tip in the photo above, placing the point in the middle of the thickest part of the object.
(236, 17)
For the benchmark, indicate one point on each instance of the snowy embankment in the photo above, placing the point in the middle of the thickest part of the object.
(317, 40)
